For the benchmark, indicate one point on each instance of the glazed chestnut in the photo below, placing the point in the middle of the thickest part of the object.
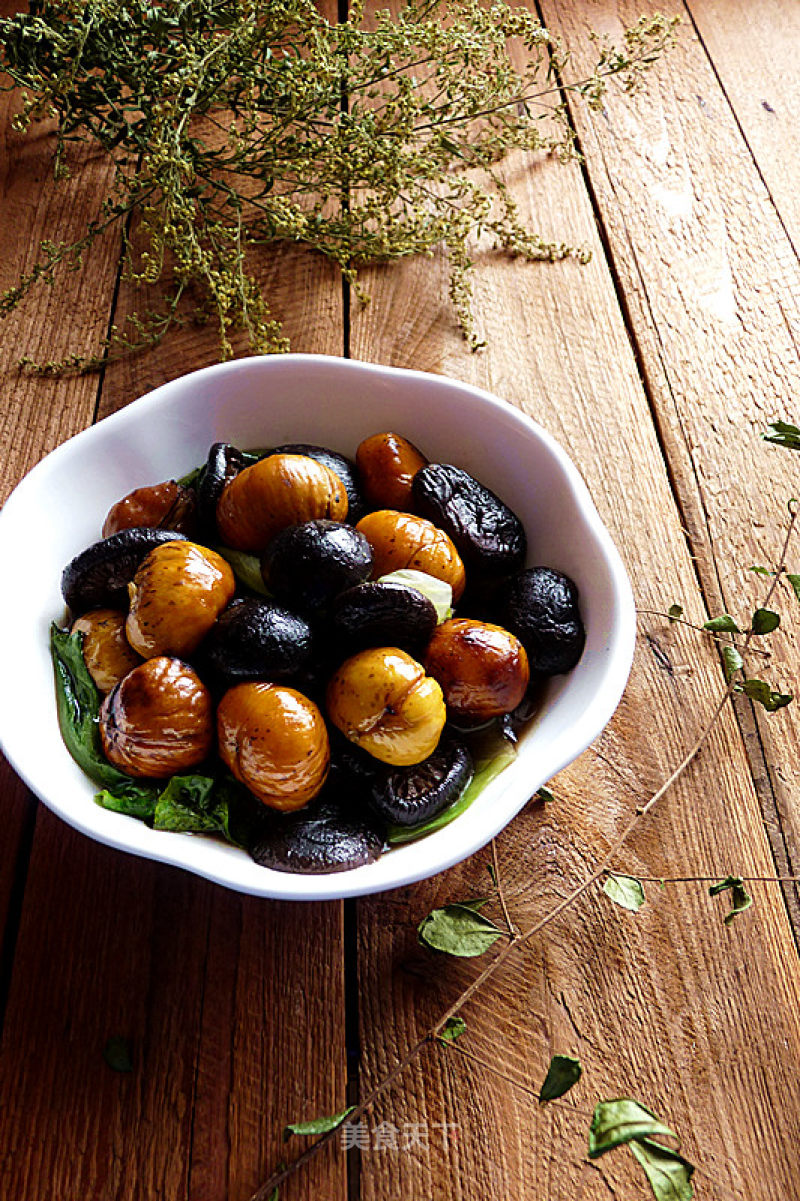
(489, 536)
(541, 608)
(409, 796)
(307, 565)
(339, 465)
(382, 613)
(274, 493)
(223, 463)
(257, 640)
(322, 837)
(106, 651)
(176, 596)
(482, 668)
(388, 464)
(159, 720)
(99, 576)
(275, 742)
(167, 506)
(401, 540)
(382, 700)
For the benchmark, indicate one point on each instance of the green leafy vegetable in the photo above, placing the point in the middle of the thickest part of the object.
(563, 1073)
(619, 1121)
(117, 1054)
(668, 1172)
(626, 891)
(760, 691)
(453, 1028)
(765, 621)
(732, 661)
(794, 580)
(318, 1125)
(783, 434)
(740, 898)
(438, 592)
(246, 568)
(723, 624)
(458, 930)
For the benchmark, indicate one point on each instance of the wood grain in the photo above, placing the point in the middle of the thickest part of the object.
(646, 1003)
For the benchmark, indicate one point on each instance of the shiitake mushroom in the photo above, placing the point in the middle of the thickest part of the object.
(99, 576)
(541, 608)
(223, 463)
(409, 796)
(324, 837)
(307, 565)
(488, 534)
(382, 613)
(257, 640)
(342, 466)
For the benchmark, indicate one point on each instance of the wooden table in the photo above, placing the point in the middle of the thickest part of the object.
(657, 366)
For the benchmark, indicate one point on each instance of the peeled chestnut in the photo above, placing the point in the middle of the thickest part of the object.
(388, 464)
(482, 668)
(382, 700)
(159, 720)
(401, 540)
(275, 742)
(274, 493)
(106, 651)
(176, 596)
(166, 506)
(339, 464)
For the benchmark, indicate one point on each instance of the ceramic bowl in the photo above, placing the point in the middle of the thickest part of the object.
(59, 507)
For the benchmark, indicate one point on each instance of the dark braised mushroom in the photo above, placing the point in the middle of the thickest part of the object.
(342, 466)
(489, 536)
(99, 576)
(409, 796)
(322, 838)
(257, 640)
(382, 614)
(223, 463)
(308, 565)
(541, 608)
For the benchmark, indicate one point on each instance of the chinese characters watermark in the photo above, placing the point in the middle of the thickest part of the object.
(387, 1136)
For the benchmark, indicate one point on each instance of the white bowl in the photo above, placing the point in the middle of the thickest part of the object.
(58, 509)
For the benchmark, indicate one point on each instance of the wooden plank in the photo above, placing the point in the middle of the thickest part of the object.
(712, 280)
(669, 1007)
(220, 996)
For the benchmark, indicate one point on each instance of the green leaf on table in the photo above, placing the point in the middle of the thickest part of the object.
(740, 898)
(765, 621)
(458, 930)
(317, 1125)
(626, 891)
(543, 794)
(492, 873)
(762, 570)
(794, 580)
(732, 661)
(668, 1172)
(453, 1028)
(563, 1073)
(674, 612)
(619, 1121)
(117, 1054)
(724, 624)
(783, 434)
(760, 691)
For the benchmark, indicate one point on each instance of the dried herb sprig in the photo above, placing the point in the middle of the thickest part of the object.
(239, 124)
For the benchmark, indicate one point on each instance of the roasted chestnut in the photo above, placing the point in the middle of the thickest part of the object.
(308, 565)
(159, 720)
(167, 506)
(388, 464)
(275, 742)
(489, 536)
(402, 540)
(409, 796)
(319, 838)
(541, 608)
(382, 613)
(99, 576)
(176, 596)
(482, 668)
(106, 651)
(274, 493)
(340, 465)
(382, 700)
(257, 640)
